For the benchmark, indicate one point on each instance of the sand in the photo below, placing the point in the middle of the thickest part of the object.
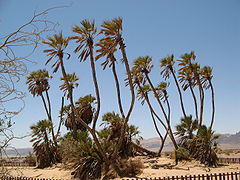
(182, 169)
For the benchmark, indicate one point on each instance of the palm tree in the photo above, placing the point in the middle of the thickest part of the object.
(41, 144)
(161, 91)
(197, 80)
(142, 94)
(86, 33)
(37, 84)
(143, 64)
(186, 78)
(106, 48)
(186, 63)
(186, 128)
(168, 63)
(206, 80)
(58, 44)
(72, 79)
(205, 146)
(113, 34)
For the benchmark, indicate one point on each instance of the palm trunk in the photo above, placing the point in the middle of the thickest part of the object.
(117, 85)
(125, 60)
(122, 47)
(159, 134)
(45, 105)
(50, 118)
(93, 133)
(94, 76)
(70, 96)
(194, 99)
(179, 91)
(213, 104)
(163, 110)
(151, 109)
(49, 152)
(201, 93)
(154, 121)
(61, 117)
(162, 145)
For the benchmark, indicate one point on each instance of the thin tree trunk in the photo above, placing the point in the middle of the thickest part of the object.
(125, 60)
(50, 118)
(80, 120)
(162, 145)
(61, 117)
(70, 96)
(94, 76)
(164, 113)
(194, 99)
(152, 110)
(201, 104)
(122, 47)
(201, 94)
(179, 92)
(45, 107)
(154, 121)
(213, 104)
(117, 85)
(159, 134)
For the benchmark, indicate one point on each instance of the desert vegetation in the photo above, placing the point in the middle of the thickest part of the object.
(103, 152)
(98, 147)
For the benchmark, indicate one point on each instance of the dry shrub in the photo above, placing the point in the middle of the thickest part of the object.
(130, 167)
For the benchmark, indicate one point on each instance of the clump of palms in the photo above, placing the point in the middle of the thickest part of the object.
(205, 146)
(42, 145)
(110, 133)
(38, 84)
(198, 142)
(81, 154)
(186, 129)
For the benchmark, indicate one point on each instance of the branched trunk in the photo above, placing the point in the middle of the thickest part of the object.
(154, 121)
(159, 134)
(123, 129)
(163, 110)
(213, 104)
(151, 108)
(80, 120)
(179, 92)
(162, 145)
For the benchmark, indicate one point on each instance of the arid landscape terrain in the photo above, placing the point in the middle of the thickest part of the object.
(152, 167)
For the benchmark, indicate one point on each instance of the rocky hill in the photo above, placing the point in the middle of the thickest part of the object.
(226, 141)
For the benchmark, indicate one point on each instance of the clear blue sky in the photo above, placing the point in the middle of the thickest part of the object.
(155, 28)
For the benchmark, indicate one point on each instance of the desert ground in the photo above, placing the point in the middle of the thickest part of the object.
(153, 167)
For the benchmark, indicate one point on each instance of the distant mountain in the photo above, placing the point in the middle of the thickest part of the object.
(226, 141)
(18, 152)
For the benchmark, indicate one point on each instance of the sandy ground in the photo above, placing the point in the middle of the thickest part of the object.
(183, 168)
